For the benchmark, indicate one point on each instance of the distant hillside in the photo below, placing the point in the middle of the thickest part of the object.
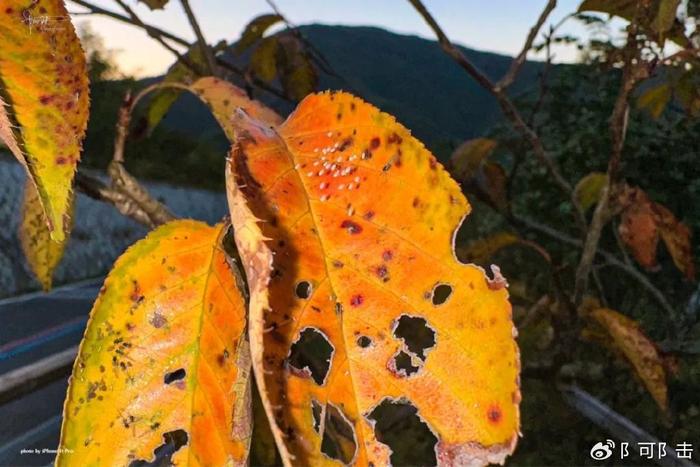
(407, 76)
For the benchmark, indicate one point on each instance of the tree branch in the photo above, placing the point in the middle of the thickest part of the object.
(507, 106)
(203, 46)
(632, 73)
(607, 256)
(517, 63)
(153, 31)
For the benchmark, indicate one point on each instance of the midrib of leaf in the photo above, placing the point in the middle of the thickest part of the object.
(307, 198)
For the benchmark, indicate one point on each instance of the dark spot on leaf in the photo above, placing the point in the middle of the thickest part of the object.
(387, 255)
(356, 300)
(494, 414)
(441, 293)
(172, 442)
(303, 290)
(397, 421)
(311, 355)
(369, 215)
(374, 143)
(352, 227)
(173, 376)
(158, 320)
(338, 436)
(416, 334)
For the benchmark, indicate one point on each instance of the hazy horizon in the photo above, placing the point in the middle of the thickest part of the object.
(499, 27)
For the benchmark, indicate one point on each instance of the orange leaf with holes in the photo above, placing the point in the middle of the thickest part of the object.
(163, 370)
(639, 350)
(43, 75)
(367, 309)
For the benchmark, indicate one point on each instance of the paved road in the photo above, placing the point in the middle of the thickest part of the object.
(32, 327)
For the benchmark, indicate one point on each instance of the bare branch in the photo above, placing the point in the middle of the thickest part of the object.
(633, 72)
(517, 63)
(153, 31)
(610, 258)
(203, 46)
(509, 110)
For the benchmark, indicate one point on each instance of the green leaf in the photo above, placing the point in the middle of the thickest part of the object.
(254, 31)
(666, 15)
(295, 70)
(467, 158)
(654, 99)
(587, 191)
(263, 62)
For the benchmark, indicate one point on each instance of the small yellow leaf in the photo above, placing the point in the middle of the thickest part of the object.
(43, 72)
(639, 350)
(480, 251)
(164, 359)
(43, 254)
(587, 191)
(467, 158)
(676, 237)
(666, 15)
(263, 62)
(654, 99)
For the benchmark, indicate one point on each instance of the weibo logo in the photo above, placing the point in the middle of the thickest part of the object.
(601, 451)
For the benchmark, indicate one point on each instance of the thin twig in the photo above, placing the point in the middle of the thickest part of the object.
(633, 72)
(607, 256)
(507, 106)
(203, 46)
(517, 63)
(153, 31)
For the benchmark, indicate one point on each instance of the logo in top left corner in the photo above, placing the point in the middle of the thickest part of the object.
(602, 450)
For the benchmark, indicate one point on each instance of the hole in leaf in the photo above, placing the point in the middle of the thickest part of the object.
(172, 441)
(173, 376)
(398, 425)
(316, 411)
(303, 289)
(403, 365)
(364, 341)
(441, 293)
(338, 436)
(416, 334)
(311, 355)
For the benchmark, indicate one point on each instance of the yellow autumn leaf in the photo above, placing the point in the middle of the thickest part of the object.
(639, 350)
(587, 191)
(42, 253)
(43, 72)
(352, 207)
(162, 375)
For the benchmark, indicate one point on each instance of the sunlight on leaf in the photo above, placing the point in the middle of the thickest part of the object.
(352, 206)
(163, 370)
(43, 81)
(43, 77)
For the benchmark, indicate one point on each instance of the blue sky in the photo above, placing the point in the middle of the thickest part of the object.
(493, 25)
